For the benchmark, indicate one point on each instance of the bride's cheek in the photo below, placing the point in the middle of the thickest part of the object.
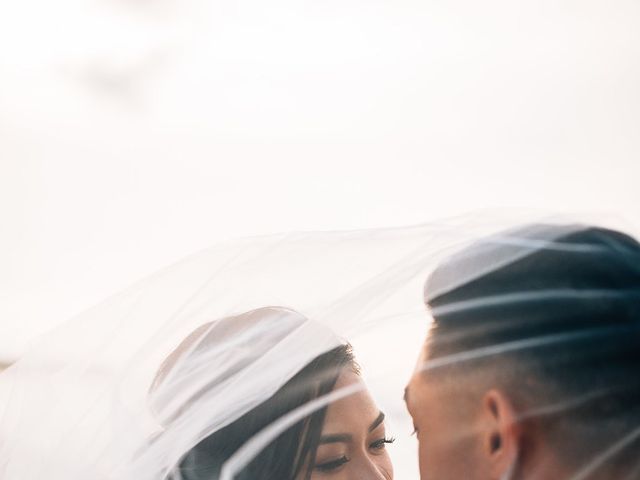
(385, 466)
(316, 475)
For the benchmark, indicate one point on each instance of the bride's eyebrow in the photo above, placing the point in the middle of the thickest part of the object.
(345, 437)
(338, 438)
(376, 422)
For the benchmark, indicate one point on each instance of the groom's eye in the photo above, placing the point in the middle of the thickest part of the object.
(331, 464)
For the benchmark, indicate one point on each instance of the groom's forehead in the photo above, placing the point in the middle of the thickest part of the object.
(410, 396)
(422, 361)
(417, 381)
(419, 396)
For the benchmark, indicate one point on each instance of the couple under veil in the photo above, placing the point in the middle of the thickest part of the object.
(471, 348)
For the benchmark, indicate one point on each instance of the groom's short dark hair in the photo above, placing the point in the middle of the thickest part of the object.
(558, 323)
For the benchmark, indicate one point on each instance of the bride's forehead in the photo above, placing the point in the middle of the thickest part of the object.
(359, 399)
(348, 377)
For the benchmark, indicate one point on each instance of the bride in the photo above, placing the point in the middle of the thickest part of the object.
(345, 439)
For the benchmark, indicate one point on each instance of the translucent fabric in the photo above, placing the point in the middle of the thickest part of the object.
(128, 388)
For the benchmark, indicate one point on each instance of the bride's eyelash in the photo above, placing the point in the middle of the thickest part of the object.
(415, 431)
(380, 443)
(332, 465)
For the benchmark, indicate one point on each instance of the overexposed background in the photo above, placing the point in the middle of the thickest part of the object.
(133, 132)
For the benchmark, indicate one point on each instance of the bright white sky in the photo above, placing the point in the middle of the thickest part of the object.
(135, 132)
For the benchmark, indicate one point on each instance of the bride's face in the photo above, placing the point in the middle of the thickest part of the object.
(353, 443)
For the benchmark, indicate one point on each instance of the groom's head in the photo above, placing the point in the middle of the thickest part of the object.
(532, 365)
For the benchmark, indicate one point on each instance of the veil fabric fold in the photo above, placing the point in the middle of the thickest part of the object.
(125, 389)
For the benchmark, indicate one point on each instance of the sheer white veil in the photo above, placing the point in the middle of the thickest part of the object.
(96, 398)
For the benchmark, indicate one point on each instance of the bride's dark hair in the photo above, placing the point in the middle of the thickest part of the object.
(290, 455)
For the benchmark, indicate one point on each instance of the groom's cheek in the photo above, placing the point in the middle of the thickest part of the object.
(422, 460)
(431, 462)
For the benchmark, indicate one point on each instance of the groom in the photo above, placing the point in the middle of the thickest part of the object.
(531, 369)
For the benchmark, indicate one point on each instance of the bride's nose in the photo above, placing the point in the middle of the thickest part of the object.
(371, 470)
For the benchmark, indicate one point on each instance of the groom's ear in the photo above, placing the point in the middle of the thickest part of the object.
(502, 433)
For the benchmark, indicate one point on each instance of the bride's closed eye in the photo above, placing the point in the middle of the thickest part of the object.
(331, 465)
(380, 444)
(353, 444)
